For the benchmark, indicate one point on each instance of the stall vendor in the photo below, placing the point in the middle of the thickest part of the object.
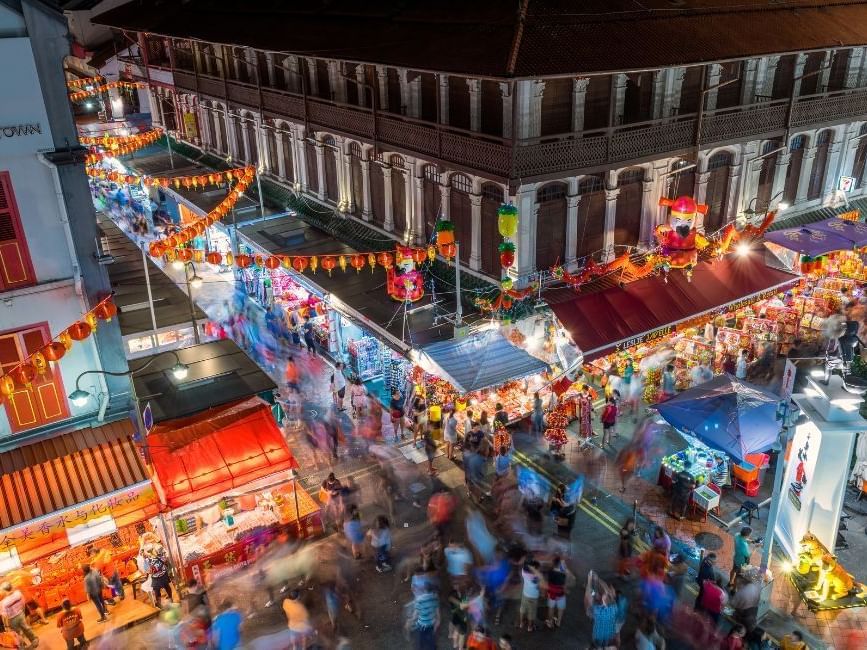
(683, 486)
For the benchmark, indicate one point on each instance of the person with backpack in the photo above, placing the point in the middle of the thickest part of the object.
(609, 420)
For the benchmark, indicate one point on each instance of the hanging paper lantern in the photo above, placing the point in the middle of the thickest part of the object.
(448, 251)
(357, 262)
(157, 249)
(7, 385)
(386, 260)
(243, 261)
(300, 264)
(213, 257)
(229, 259)
(198, 255)
(199, 228)
(431, 253)
(171, 242)
(371, 259)
(341, 261)
(24, 374)
(54, 351)
(65, 339)
(184, 255)
(419, 255)
(259, 261)
(507, 254)
(507, 220)
(39, 362)
(506, 284)
(106, 311)
(90, 319)
(329, 264)
(314, 263)
(285, 261)
(273, 262)
(79, 331)
(445, 233)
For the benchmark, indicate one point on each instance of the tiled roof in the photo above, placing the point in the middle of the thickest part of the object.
(501, 39)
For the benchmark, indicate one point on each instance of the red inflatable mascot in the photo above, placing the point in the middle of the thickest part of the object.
(679, 239)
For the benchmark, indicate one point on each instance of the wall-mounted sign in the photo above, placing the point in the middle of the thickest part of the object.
(20, 130)
(846, 183)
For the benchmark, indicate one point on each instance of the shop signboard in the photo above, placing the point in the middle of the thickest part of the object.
(846, 183)
(50, 533)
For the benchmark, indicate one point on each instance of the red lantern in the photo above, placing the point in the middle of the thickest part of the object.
(386, 260)
(7, 385)
(447, 250)
(185, 254)
(54, 351)
(357, 262)
(157, 249)
(171, 242)
(272, 263)
(419, 255)
(24, 374)
(329, 263)
(243, 261)
(106, 311)
(213, 257)
(300, 264)
(79, 331)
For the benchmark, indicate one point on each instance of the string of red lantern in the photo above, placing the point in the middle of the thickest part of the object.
(25, 371)
(86, 81)
(117, 145)
(188, 182)
(78, 95)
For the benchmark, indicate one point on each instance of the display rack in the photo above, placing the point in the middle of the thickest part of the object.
(365, 360)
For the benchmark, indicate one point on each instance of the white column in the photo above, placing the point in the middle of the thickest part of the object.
(300, 151)
(475, 86)
(417, 232)
(389, 208)
(618, 92)
(348, 189)
(281, 156)
(408, 205)
(807, 163)
(579, 99)
(714, 74)
(779, 177)
(445, 198)
(675, 87)
(245, 138)
(748, 84)
(320, 169)
(292, 73)
(382, 82)
(506, 95)
(338, 83)
(610, 215)
(659, 85)
(264, 148)
(648, 208)
(404, 92)
(476, 232)
(415, 97)
(701, 180)
(572, 201)
(443, 80)
(365, 189)
(535, 116)
(361, 85)
(231, 140)
(526, 239)
(800, 61)
(272, 73)
(770, 72)
(734, 191)
(313, 75)
(855, 67)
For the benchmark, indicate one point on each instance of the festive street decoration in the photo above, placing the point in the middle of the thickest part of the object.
(403, 281)
(78, 95)
(555, 431)
(25, 371)
(199, 181)
(85, 81)
(103, 146)
(505, 299)
(507, 220)
(507, 254)
(445, 238)
(679, 240)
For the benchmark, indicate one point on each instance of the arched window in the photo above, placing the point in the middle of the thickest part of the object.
(591, 215)
(550, 225)
(793, 171)
(820, 164)
(682, 182)
(766, 175)
(460, 212)
(860, 158)
(462, 183)
(431, 199)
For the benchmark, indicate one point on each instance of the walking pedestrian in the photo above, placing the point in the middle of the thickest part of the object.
(157, 566)
(94, 583)
(609, 421)
(458, 563)
(298, 620)
(197, 601)
(503, 462)
(585, 413)
(706, 571)
(396, 414)
(338, 386)
(743, 550)
(457, 619)
(450, 434)
(556, 587)
(380, 539)
(537, 417)
(353, 531)
(669, 382)
(309, 337)
(419, 417)
(12, 608)
(226, 628)
(600, 603)
(357, 398)
(430, 449)
(424, 619)
(684, 484)
(71, 625)
(291, 374)
(713, 598)
(627, 547)
(742, 364)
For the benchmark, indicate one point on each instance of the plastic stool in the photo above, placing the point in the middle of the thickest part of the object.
(748, 509)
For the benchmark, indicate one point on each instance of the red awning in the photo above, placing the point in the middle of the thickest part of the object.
(223, 448)
(613, 318)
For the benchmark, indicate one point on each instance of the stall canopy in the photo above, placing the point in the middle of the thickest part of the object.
(604, 321)
(726, 413)
(809, 241)
(220, 449)
(854, 231)
(479, 361)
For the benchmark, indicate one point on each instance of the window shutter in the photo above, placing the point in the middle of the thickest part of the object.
(16, 269)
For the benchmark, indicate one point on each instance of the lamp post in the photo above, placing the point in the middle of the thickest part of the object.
(193, 282)
(79, 397)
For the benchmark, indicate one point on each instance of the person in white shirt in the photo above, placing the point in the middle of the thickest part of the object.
(338, 386)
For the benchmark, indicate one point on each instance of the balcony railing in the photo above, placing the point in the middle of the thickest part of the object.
(564, 154)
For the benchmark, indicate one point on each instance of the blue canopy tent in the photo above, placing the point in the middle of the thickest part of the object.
(479, 361)
(728, 414)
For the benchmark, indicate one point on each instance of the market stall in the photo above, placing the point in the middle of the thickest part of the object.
(225, 477)
(61, 508)
(834, 246)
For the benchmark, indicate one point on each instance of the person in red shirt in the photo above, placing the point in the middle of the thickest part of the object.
(71, 625)
(713, 598)
(481, 640)
(609, 421)
(735, 638)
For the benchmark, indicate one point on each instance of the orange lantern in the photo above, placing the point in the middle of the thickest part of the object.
(130, 179)
(243, 261)
(386, 260)
(7, 385)
(300, 264)
(272, 263)
(185, 254)
(157, 249)
(213, 257)
(357, 262)
(329, 263)
(39, 362)
(448, 250)
(79, 331)
(164, 182)
(54, 351)
(24, 374)
(419, 255)
(106, 311)
(199, 228)
(171, 242)
(65, 339)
